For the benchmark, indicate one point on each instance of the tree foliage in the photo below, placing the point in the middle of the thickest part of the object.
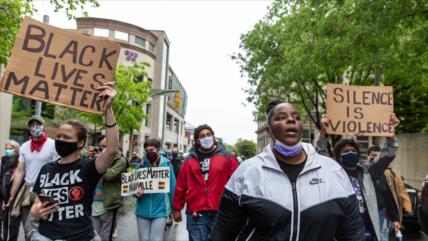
(12, 12)
(132, 96)
(301, 45)
(245, 148)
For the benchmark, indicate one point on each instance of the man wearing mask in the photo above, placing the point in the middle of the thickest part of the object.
(107, 199)
(35, 153)
(176, 160)
(135, 160)
(201, 182)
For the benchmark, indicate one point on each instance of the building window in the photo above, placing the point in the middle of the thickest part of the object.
(150, 80)
(151, 47)
(140, 41)
(168, 122)
(176, 125)
(101, 32)
(170, 81)
(148, 110)
(121, 35)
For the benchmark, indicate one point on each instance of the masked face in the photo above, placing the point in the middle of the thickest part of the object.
(37, 131)
(10, 153)
(64, 148)
(152, 156)
(207, 142)
(349, 159)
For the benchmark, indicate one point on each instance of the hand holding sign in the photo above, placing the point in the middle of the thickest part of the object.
(108, 92)
(140, 192)
(360, 110)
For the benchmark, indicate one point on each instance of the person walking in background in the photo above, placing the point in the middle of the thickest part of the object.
(176, 160)
(135, 160)
(347, 153)
(201, 182)
(107, 199)
(9, 223)
(153, 209)
(387, 200)
(288, 192)
(35, 153)
(423, 209)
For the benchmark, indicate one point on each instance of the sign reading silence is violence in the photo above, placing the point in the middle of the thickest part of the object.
(360, 110)
(60, 66)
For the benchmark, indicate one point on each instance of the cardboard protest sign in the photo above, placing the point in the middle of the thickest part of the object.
(151, 179)
(360, 110)
(59, 66)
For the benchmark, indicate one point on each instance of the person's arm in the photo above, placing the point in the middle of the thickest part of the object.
(106, 157)
(41, 210)
(180, 193)
(351, 227)
(115, 172)
(321, 146)
(231, 218)
(234, 164)
(387, 154)
(18, 177)
(172, 183)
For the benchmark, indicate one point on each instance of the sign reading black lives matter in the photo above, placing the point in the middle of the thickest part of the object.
(151, 179)
(60, 66)
(360, 110)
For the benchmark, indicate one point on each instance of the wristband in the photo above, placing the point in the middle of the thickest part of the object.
(110, 126)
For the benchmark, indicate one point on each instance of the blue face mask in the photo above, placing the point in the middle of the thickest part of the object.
(9, 153)
(174, 155)
(349, 159)
(287, 151)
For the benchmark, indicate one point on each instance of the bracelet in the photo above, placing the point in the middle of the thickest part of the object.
(110, 126)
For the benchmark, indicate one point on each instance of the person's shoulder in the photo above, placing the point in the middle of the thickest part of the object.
(49, 166)
(25, 146)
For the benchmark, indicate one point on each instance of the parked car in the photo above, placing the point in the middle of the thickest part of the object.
(410, 221)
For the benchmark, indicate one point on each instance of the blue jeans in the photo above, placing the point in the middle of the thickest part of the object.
(200, 226)
(151, 229)
(384, 226)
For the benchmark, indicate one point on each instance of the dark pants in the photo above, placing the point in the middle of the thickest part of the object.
(10, 227)
(200, 226)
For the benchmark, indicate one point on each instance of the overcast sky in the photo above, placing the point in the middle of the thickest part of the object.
(203, 36)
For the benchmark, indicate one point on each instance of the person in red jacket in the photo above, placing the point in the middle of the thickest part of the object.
(201, 182)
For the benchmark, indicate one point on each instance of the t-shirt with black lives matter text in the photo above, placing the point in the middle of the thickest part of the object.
(72, 186)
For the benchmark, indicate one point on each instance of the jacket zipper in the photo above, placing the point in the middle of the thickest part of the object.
(295, 212)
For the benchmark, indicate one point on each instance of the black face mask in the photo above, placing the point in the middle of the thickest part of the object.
(65, 148)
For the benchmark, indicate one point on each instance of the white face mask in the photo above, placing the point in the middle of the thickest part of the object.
(207, 142)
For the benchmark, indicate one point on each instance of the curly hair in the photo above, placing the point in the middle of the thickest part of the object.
(341, 144)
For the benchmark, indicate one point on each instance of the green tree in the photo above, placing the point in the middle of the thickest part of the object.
(131, 99)
(301, 45)
(12, 12)
(245, 148)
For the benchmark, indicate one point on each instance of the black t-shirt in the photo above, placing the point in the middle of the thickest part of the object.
(204, 162)
(291, 170)
(72, 187)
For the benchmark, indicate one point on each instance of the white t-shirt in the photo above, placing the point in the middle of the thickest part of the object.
(35, 160)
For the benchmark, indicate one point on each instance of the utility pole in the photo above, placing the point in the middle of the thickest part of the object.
(39, 103)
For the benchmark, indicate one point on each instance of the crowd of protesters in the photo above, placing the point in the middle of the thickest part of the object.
(290, 191)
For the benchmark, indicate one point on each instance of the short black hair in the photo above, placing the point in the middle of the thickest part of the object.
(270, 107)
(102, 137)
(152, 141)
(373, 148)
(341, 144)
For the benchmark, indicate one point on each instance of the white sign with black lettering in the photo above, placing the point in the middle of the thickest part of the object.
(151, 179)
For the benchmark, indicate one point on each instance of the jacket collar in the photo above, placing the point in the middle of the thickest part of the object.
(270, 161)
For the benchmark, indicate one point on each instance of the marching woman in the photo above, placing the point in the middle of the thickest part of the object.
(288, 192)
(65, 188)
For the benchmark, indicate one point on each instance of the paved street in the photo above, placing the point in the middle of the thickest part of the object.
(127, 228)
